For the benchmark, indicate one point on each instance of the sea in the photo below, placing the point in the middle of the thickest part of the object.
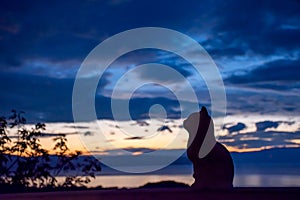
(264, 175)
(245, 180)
(268, 168)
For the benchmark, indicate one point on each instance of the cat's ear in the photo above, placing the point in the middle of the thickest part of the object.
(204, 110)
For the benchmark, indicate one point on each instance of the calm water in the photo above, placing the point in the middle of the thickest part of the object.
(253, 180)
(259, 175)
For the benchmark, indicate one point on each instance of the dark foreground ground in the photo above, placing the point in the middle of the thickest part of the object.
(168, 194)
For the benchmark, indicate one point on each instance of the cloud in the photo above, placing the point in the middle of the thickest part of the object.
(272, 87)
(263, 102)
(164, 128)
(258, 42)
(284, 71)
(59, 134)
(134, 138)
(119, 152)
(235, 128)
(141, 123)
(49, 135)
(169, 59)
(76, 126)
(261, 126)
(88, 133)
(256, 27)
(43, 99)
(38, 33)
(164, 77)
(263, 138)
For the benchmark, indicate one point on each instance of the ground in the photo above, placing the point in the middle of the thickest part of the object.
(145, 194)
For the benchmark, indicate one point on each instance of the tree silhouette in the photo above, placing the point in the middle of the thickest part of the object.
(25, 163)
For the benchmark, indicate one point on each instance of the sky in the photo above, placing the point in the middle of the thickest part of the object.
(255, 45)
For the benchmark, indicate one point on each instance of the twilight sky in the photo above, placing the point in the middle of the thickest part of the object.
(255, 44)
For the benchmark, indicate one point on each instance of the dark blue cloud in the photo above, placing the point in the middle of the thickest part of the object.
(256, 26)
(43, 98)
(146, 56)
(134, 138)
(274, 88)
(164, 128)
(141, 123)
(59, 31)
(261, 139)
(49, 135)
(286, 71)
(261, 126)
(38, 29)
(49, 99)
(235, 128)
(69, 30)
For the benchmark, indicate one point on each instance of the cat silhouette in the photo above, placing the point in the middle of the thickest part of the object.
(212, 163)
